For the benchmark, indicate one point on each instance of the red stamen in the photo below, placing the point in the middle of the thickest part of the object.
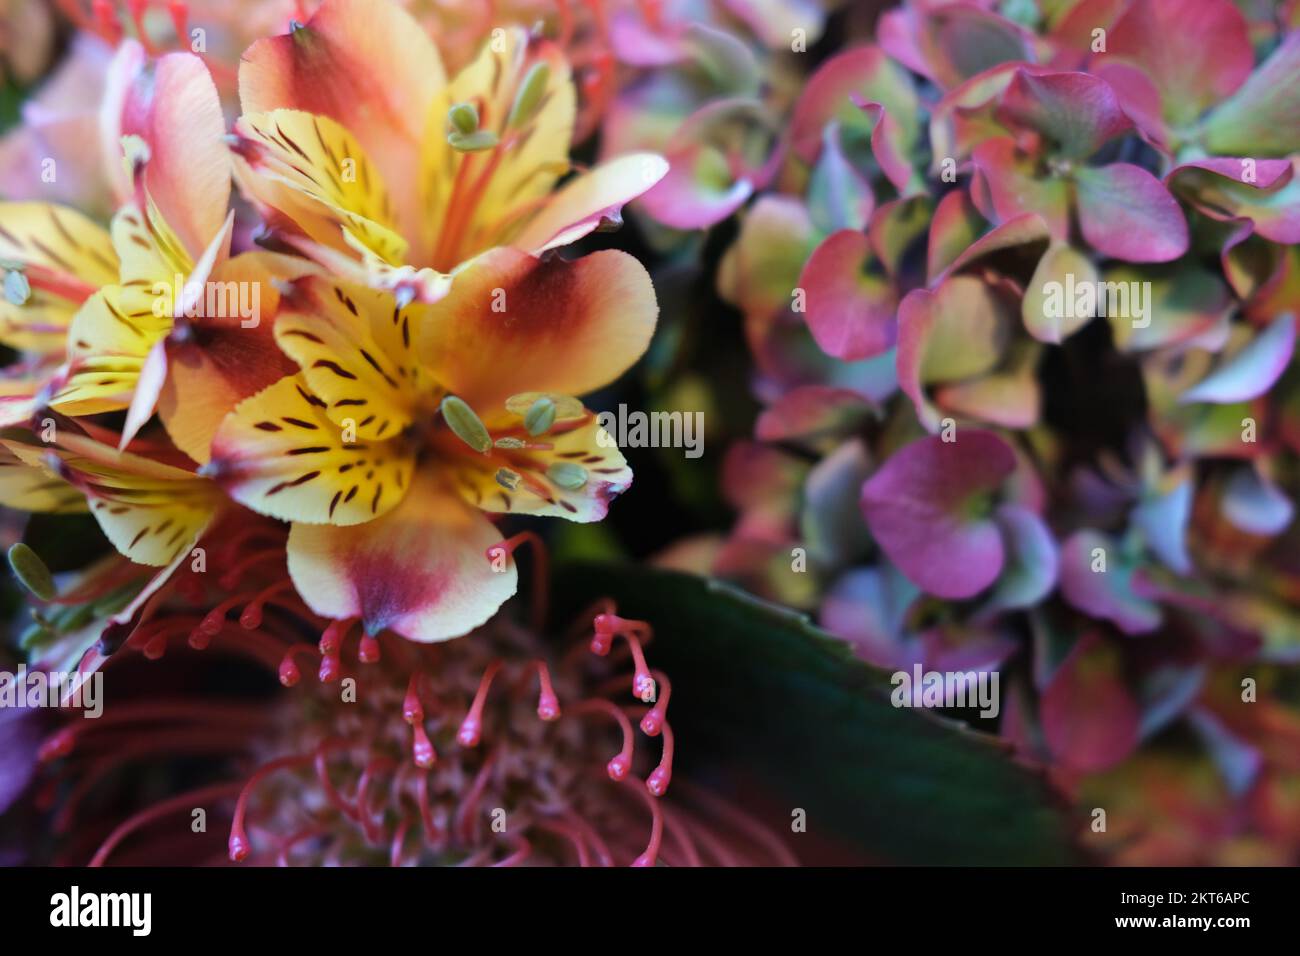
(548, 705)
(422, 751)
(251, 617)
(238, 843)
(368, 652)
(289, 673)
(230, 580)
(178, 802)
(655, 716)
(471, 728)
(620, 763)
(412, 709)
(662, 775)
(541, 570)
(57, 745)
(651, 854)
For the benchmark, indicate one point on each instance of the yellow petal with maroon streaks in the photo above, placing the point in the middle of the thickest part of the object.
(280, 454)
(311, 170)
(31, 486)
(65, 257)
(354, 346)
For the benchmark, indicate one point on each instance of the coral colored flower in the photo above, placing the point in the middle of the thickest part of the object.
(400, 184)
(406, 422)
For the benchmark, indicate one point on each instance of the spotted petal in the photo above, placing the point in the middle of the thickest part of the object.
(355, 350)
(66, 258)
(312, 170)
(280, 454)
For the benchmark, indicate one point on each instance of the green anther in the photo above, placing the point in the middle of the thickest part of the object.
(31, 571)
(467, 426)
(567, 475)
(17, 289)
(509, 442)
(464, 117)
(507, 479)
(529, 97)
(474, 142)
(540, 417)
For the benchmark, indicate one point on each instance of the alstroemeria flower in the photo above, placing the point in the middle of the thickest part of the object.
(406, 422)
(1059, 121)
(353, 139)
(102, 292)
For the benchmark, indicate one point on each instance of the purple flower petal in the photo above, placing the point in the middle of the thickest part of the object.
(1090, 719)
(1097, 579)
(1196, 53)
(813, 411)
(1252, 370)
(927, 507)
(1076, 111)
(1256, 505)
(1262, 118)
(1126, 213)
(1031, 566)
(1009, 185)
(850, 311)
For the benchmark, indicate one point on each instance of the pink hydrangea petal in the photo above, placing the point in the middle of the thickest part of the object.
(1139, 98)
(850, 312)
(1076, 111)
(864, 72)
(1251, 371)
(1029, 573)
(813, 411)
(1256, 505)
(1012, 187)
(1104, 594)
(1126, 213)
(1262, 118)
(1196, 54)
(1090, 719)
(867, 607)
(955, 227)
(922, 507)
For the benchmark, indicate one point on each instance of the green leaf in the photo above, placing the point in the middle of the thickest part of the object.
(762, 695)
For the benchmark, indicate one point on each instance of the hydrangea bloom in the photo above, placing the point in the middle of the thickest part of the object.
(990, 458)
